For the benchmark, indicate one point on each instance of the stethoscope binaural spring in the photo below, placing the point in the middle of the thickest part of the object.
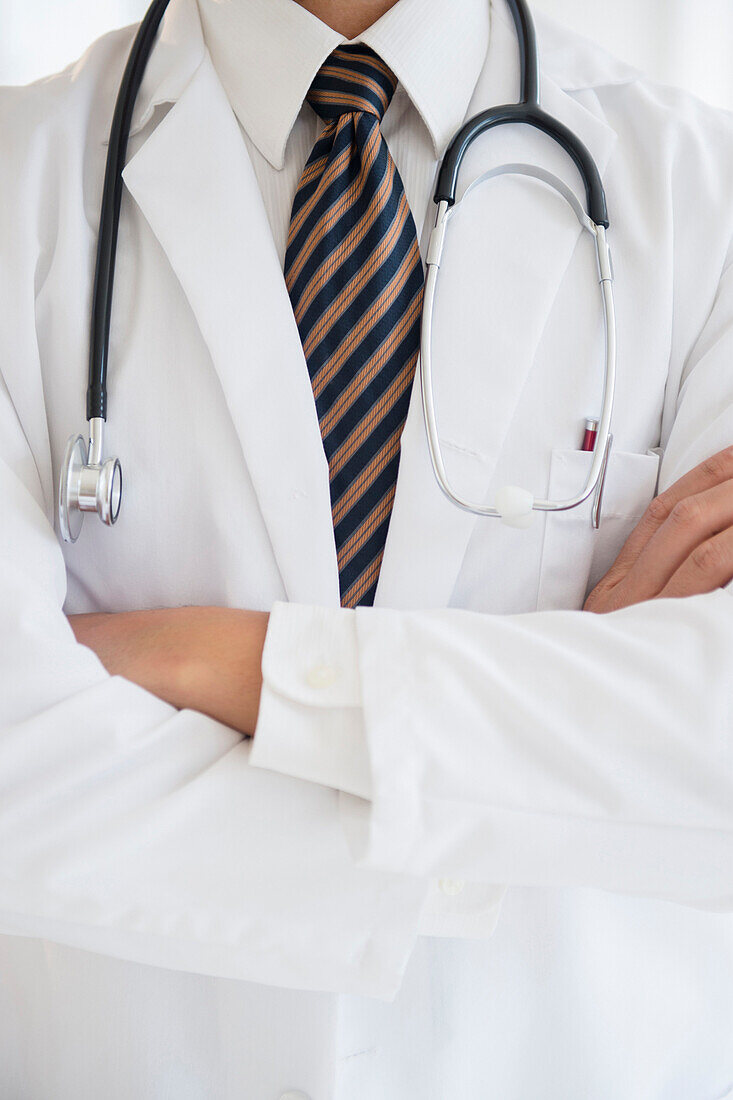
(88, 483)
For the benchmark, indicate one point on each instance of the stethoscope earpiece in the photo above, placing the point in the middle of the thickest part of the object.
(87, 484)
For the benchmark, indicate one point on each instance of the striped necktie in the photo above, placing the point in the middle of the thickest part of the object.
(355, 280)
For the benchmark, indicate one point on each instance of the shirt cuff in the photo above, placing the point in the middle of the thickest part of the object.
(310, 723)
(311, 727)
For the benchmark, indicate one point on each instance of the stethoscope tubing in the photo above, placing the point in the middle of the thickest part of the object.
(96, 485)
(519, 114)
(529, 54)
(599, 459)
(528, 112)
(109, 222)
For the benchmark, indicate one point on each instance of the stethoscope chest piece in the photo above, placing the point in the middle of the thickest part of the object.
(87, 484)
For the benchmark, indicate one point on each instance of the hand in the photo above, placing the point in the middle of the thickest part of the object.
(683, 545)
(199, 658)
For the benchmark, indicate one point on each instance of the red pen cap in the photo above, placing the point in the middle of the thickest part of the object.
(591, 431)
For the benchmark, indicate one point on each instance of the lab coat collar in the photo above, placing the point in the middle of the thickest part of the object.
(194, 182)
(570, 61)
(178, 52)
(267, 53)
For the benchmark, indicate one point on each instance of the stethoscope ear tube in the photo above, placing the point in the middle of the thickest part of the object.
(109, 222)
(515, 505)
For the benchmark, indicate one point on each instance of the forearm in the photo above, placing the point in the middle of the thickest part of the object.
(130, 829)
(206, 659)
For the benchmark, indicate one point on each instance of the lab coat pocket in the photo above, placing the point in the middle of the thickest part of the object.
(574, 555)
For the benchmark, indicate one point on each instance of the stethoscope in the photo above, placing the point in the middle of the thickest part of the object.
(88, 483)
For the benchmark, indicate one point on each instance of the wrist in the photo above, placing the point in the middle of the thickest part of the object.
(218, 668)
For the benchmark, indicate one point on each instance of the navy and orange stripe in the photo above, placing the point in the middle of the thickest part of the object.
(354, 276)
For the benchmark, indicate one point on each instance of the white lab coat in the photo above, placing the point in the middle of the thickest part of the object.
(146, 836)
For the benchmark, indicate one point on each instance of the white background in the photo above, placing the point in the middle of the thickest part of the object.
(685, 42)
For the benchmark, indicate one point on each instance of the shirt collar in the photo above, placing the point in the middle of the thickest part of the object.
(436, 50)
(267, 52)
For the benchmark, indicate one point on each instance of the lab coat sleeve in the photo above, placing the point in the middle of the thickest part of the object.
(126, 827)
(551, 749)
(134, 830)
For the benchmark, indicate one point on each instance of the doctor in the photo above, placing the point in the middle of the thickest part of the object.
(321, 910)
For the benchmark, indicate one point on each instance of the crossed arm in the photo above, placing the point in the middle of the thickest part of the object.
(209, 659)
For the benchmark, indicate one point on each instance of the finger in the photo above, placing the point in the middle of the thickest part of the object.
(692, 521)
(713, 471)
(709, 566)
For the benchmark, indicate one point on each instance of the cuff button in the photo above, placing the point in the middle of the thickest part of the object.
(451, 887)
(321, 676)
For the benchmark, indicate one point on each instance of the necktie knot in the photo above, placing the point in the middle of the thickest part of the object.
(353, 80)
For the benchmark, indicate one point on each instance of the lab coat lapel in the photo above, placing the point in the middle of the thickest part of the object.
(194, 182)
(508, 246)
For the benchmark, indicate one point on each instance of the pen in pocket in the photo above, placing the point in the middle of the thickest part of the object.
(591, 432)
(589, 444)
